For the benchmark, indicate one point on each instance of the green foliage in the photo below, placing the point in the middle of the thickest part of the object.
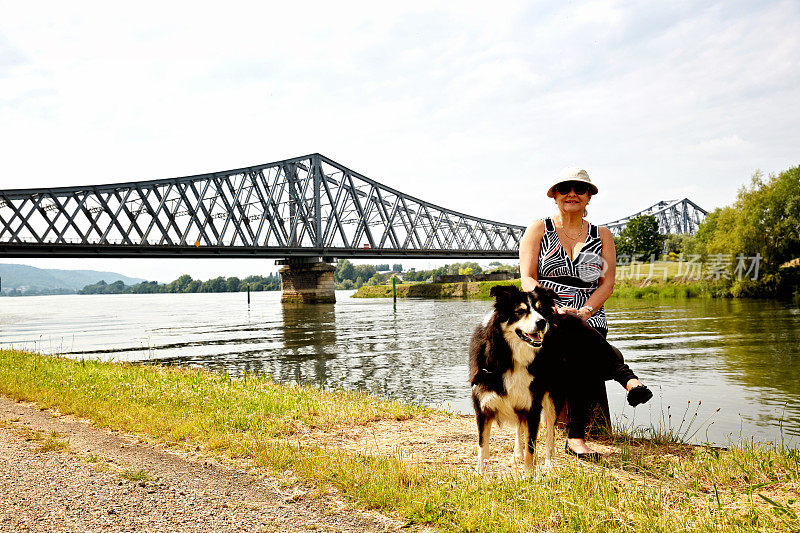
(185, 284)
(452, 269)
(640, 238)
(765, 219)
(497, 266)
(355, 274)
(344, 270)
(681, 244)
(379, 278)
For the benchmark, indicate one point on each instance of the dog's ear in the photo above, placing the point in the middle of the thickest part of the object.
(503, 292)
(546, 298)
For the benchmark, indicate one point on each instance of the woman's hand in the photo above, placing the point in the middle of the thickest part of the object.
(583, 312)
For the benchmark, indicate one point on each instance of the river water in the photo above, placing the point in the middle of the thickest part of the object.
(739, 356)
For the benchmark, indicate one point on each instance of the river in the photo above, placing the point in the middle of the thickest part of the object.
(739, 356)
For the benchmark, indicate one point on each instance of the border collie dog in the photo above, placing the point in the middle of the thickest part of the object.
(523, 359)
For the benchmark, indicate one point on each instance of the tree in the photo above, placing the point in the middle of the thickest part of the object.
(344, 270)
(765, 219)
(641, 237)
(235, 285)
(365, 271)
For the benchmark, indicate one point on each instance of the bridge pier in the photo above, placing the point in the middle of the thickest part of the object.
(307, 282)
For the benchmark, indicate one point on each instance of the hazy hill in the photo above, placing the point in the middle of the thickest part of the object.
(32, 278)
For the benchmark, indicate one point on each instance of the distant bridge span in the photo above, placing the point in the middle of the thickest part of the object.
(673, 216)
(300, 208)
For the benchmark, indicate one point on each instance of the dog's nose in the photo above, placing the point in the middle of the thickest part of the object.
(541, 323)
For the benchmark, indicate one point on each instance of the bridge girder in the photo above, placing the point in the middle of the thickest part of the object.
(674, 216)
(308, 206)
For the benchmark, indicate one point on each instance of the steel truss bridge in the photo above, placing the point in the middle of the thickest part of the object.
(306, 207)
(673, 216)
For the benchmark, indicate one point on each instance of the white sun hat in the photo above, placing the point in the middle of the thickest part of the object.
(572, 174)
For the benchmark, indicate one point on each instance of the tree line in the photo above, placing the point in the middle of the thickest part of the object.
(185, 284)
(350, 276)
(763, 222)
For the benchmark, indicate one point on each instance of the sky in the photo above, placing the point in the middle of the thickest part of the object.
(473, 106)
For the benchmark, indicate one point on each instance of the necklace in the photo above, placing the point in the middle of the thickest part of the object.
(564, 229)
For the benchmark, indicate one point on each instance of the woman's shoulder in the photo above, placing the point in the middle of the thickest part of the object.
(604, 232)
(535, 231)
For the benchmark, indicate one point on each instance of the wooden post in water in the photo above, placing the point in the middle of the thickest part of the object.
(248, 294)
(394, 291)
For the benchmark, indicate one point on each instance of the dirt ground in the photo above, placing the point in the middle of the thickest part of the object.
(104, 481)
(107, 481)
(448, 442)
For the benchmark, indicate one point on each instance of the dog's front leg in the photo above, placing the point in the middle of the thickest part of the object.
(550, 429)
(484, 431)
(522, 439)
(533, 428)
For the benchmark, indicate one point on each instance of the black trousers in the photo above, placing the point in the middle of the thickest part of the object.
(583, 398)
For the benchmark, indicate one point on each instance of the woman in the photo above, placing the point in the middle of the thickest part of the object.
(578, 261)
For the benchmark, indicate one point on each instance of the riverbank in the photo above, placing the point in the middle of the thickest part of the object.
(641, 281)
(479, 290)
(409, 462)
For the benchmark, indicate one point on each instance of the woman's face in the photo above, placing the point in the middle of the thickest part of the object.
(572, 202)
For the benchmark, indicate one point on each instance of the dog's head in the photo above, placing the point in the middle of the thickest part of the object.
(527, 314)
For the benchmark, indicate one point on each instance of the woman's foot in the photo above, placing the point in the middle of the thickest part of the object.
(638, 393)
(585, 454)
(578, 446)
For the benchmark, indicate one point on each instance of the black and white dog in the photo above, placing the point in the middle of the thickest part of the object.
(524, 358)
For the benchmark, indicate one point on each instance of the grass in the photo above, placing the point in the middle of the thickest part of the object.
(48, 443)
(135, 475)
(649, 486)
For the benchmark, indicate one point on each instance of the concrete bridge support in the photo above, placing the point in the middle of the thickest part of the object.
(307, 282)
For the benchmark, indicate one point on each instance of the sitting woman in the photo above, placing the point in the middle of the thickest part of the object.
(577, 260)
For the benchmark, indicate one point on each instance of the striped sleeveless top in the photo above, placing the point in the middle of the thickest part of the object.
(574, 281)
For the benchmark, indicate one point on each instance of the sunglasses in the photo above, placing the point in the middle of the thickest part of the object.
(579, 187)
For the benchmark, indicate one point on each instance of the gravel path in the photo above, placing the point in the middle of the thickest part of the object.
(104, 481)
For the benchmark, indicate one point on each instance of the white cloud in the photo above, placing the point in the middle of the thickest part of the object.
(468, 107)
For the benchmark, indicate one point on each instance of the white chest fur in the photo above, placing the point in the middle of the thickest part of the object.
(517, 384)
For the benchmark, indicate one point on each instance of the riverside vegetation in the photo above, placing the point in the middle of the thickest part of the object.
(763, 223)
(652, 483)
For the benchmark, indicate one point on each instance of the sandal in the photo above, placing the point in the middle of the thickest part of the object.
(639, 395)
(592, 457)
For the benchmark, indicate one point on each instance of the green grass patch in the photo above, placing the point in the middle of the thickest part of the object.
(53, 444)
(647, 487)
(135, 475)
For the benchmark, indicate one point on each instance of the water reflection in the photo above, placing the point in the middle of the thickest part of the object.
(308, 326)
(739, 356)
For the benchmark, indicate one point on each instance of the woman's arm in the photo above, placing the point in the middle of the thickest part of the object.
(607, 278)
(529, 255)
